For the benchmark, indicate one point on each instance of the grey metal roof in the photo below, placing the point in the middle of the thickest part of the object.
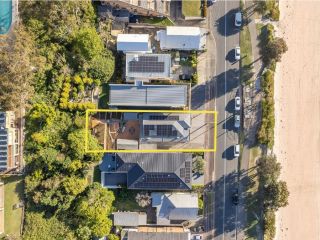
(158, 235)
(133, 43)
(175, 206)
(148, 95)
(129, 219)
(162, 171)
(148, 66)
(182, 38)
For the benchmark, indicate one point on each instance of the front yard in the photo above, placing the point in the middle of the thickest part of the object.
(13, 194)
(191, 8)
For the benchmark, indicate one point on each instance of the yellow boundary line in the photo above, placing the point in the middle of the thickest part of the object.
(215, 113)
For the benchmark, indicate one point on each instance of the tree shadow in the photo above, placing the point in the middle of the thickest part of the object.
(225, 24)
(228, 154)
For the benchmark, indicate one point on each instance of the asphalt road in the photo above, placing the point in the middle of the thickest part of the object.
(226, 85)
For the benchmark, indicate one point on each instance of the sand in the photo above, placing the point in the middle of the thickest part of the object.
(297, 133)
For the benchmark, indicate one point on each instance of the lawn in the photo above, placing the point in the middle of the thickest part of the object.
(246, 54)
(252, 198)
(125, 200)
(191, 8)
(13, 194)
(156, 21)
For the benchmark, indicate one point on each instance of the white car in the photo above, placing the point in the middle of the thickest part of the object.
(236, 150)
(237, 121)
(238, 19)
(237, 103)
(237, 53)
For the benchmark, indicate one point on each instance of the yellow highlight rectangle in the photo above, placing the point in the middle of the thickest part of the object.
(215, 113)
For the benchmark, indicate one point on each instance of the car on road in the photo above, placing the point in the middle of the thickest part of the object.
(184, 77)
(237, 53)
(236, 150)
(237, 103)
(235, 197)
(238, 19)
(237, 121)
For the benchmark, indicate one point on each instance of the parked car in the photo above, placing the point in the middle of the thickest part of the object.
(236, 150)
(237, 103)
(237, 53)
(235, 197)
(197, 237)
(184, 77)
(237, 121)
(238, 19)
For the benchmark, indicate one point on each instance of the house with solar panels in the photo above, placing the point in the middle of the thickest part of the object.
(147, 171)
(182, 38)
(133, 43)
(146, 67)
(9, 141)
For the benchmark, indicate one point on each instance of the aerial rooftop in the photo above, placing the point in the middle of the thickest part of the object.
(141, 95)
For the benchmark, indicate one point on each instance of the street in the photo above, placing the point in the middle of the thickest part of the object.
(221, 218)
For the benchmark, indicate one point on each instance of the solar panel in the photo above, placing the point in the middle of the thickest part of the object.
(164, 117)
(166, 131)
(158, 181)
(146, 64)
(188, 172)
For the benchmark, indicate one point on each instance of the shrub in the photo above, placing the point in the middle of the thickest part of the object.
(143, 199)
(194, 79)
(269, 220)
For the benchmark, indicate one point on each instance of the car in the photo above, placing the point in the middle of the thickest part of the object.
(237, 53)
(235, 198)
(237, 103)
(237, 121)
(236, 150)
(238, 19)
(197, 237)
(184, 77)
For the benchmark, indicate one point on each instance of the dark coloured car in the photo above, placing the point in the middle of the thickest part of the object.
(184, 77)
(235, 198)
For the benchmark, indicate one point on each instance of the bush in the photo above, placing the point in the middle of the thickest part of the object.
(194, 79)
(143, 199)
(269, 220)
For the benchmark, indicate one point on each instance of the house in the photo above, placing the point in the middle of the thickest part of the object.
(182, 38)
(140, 95)
(9, 141)
(129, 219)
(133, 43)
(175, 208)
(164, 128)
(147, 171)
(156, 8)
(147, 66)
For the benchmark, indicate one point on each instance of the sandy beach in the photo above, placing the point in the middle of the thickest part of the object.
(297, 133)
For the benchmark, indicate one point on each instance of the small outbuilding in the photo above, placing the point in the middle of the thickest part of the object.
(133, 43)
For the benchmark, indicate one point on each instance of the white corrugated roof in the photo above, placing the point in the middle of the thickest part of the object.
(185, 31)
(133, 38)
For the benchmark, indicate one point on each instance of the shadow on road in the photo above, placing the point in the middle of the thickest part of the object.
(228, 153)
(227, 81)
(230, 57)
(225, 24)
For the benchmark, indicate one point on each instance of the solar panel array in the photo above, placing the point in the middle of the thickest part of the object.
(158, 181)
(146, 64)
(188, 172)
(164, 117)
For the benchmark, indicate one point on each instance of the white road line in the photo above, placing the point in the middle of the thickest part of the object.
(225, 116)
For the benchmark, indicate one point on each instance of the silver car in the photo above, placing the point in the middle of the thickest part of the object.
(237, 53)
(238, 19)
(237, 103)
(237, 121)
(236, 150)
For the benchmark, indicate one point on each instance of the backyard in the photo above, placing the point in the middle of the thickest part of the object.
(13, 194)
(191, 8)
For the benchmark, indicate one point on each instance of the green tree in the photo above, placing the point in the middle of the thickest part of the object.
(276, 49)
(269, 221)
(268, 169)
(38, 227)
(198, 165)
(93, 208)
(87, 43)
(113, 237)
(276, 195)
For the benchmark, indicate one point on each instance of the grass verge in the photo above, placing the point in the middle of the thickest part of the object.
(246, 55)
(13, 194)
(157, 21)
(252, 197)
(191, 8)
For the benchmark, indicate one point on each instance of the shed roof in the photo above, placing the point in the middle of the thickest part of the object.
(133, 43)
(148, 95)
(129, 219)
